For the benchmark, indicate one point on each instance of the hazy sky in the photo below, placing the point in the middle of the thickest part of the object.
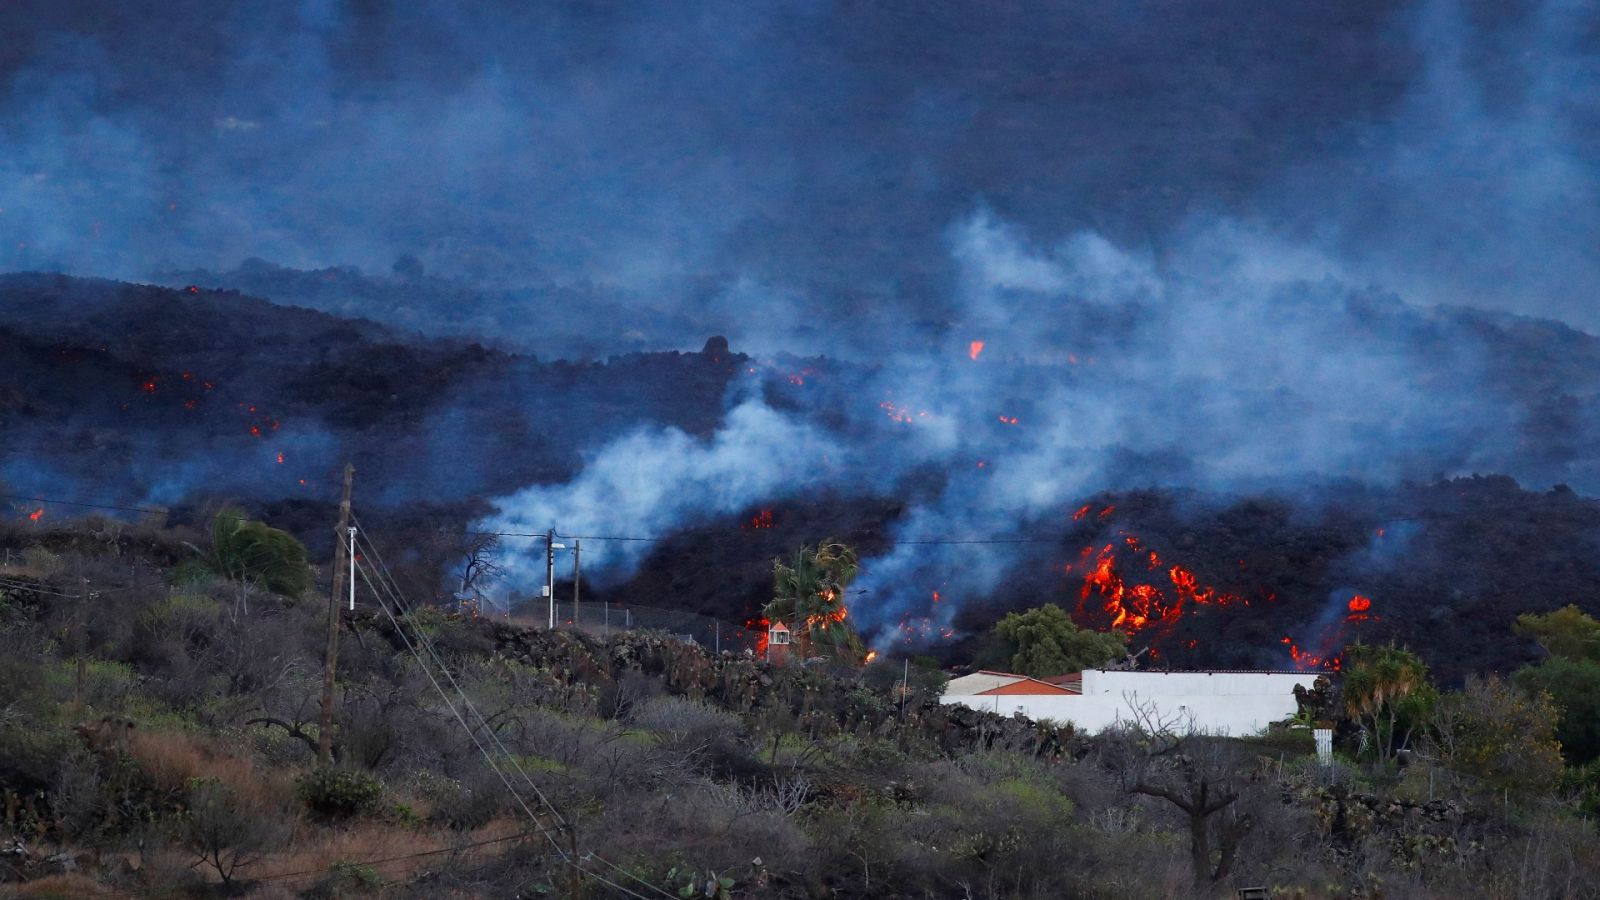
(814, 155)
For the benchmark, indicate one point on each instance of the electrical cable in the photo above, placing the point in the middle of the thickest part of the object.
(472, 735)
(400, 602)
(540, 535)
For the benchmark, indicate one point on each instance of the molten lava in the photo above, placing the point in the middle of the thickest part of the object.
(1328, 646)
(1133, 605)
(900, 414)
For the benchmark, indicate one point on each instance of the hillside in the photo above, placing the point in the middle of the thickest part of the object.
(167, 750)
(135, 395)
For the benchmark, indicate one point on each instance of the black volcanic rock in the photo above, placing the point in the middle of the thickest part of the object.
(716, 347)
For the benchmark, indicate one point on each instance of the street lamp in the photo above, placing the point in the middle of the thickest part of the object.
(550, 548)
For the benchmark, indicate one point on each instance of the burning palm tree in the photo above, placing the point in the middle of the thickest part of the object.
(808, 595)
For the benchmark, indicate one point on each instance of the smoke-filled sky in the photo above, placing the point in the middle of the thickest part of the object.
(1236, 214)
(791, 161)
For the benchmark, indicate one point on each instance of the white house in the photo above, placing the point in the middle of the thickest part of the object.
(1232, 703)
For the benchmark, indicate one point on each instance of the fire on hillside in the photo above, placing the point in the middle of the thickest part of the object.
(1129, 587)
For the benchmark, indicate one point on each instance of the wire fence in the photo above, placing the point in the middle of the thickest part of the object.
(604, 619)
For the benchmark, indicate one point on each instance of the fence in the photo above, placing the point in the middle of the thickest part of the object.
(602, 619)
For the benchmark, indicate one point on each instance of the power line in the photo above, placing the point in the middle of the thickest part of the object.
(393, 591)
(305, 873)
(956, 541)
(400, 601)
(472, 735)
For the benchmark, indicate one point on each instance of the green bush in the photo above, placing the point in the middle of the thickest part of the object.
(339, 793)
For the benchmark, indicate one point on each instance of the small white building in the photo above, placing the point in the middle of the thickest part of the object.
(1227, 703)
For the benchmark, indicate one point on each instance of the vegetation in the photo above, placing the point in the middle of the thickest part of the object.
(1044, 641)
(809, 597)
(181, 763)
(1570, 676)
(1388, 694)
(253, 553)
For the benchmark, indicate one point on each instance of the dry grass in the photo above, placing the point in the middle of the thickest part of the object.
(65, 887)
(316, 850)
(172, 759)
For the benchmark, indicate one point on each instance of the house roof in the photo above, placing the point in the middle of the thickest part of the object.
(980, 681)
(986, 682)
(1026, 685)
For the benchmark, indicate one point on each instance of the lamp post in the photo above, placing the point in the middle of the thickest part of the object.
(550, 548)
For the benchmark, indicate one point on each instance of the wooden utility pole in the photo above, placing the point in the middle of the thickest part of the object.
(577, 581)
(80, 642)
(325, 726)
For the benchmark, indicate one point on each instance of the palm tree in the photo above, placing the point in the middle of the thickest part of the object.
(253, 553)
(808, 596)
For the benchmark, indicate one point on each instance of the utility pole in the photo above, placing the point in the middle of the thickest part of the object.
(81, 665)
(905, 688)
(340, 550)
(577, 580)
(550, 574)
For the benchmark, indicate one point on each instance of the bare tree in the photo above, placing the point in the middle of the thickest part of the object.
(480, 563)
(1203, 776)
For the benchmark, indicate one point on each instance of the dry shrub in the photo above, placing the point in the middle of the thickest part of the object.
(173, 759)
(317, 850)
(56, 887)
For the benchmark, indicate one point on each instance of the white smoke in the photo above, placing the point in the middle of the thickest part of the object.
(649, 482)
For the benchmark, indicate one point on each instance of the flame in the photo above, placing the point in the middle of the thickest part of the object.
(1132, 607)
(1008, 420)
(758, 625)
(974, 348)
(1082, 511)
(149, 386)
(36, 515)
(280, 459)
(797, 379)
(1330, 642)
(871, 655)
(901, 414)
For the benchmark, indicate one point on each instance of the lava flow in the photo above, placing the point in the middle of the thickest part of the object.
(1326, 653)
(1131, 605)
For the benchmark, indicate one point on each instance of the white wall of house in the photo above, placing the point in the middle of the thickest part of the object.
(1231, 703)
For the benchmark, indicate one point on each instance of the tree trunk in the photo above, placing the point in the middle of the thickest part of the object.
(1200, 848)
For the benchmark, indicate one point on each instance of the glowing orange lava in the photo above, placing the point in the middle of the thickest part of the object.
(1132, 606)
(36, 515)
